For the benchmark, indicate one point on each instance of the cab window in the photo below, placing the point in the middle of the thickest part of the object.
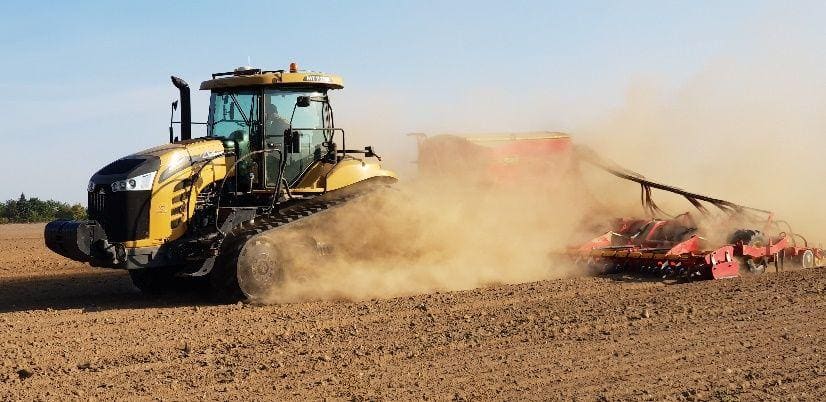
(305, 146)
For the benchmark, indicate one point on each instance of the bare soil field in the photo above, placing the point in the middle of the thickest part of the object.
(68, 332)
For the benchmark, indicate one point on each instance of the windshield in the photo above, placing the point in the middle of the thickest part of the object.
(255, 120)
(232, 114)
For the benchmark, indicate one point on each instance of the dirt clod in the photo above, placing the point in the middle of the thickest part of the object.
(24, 373)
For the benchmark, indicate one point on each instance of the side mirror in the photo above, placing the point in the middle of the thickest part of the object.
(171, 121)
(302, 101)
(369, 153)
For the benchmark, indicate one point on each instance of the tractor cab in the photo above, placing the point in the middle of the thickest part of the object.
(276, 123)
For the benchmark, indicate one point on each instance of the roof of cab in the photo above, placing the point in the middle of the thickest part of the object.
(246, 77)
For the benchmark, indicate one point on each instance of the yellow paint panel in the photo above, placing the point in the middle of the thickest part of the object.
(326, 177)
(173, 197)
(309, 78)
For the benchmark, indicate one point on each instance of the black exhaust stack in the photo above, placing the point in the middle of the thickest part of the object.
(186, 108)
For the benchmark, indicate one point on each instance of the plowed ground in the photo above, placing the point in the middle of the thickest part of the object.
(71, 332)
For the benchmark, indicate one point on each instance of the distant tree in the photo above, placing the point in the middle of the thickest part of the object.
(10, 211)
(23, 213)
(33, 209)
(66, 211)
(79, 212)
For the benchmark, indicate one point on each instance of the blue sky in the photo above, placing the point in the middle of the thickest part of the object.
(84, 83)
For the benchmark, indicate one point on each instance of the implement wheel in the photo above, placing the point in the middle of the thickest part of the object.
(807, 259)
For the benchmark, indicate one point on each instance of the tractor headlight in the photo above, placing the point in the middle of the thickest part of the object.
(91, 186)
(137, 183)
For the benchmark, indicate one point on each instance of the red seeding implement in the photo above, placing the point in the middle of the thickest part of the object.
(660, 245)
(672, 249)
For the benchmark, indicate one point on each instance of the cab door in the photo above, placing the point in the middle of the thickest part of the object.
(234, 117)
(300, 148)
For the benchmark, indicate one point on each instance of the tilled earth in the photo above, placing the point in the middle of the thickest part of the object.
(71, 332)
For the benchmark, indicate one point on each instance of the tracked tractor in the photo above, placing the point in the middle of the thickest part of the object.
(184, 212)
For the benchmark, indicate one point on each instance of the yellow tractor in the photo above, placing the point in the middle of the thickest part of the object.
(185, 211)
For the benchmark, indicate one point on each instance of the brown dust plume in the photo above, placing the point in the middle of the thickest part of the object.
(455, 232)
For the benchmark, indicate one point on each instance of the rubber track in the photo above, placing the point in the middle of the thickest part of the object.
(233, 243)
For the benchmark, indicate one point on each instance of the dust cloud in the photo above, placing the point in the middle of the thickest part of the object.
(451, 232)
(750, 130)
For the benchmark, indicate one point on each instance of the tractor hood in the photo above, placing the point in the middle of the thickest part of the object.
(155, 165)
(137, 197)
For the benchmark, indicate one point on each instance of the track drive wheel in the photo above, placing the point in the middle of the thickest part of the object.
(752, 238)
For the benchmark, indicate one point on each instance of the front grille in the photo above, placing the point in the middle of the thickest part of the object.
(124, 215)
(97, 202)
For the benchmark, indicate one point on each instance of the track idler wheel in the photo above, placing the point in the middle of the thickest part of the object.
(261, 268)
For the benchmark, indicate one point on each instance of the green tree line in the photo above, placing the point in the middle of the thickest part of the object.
(28, 210)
